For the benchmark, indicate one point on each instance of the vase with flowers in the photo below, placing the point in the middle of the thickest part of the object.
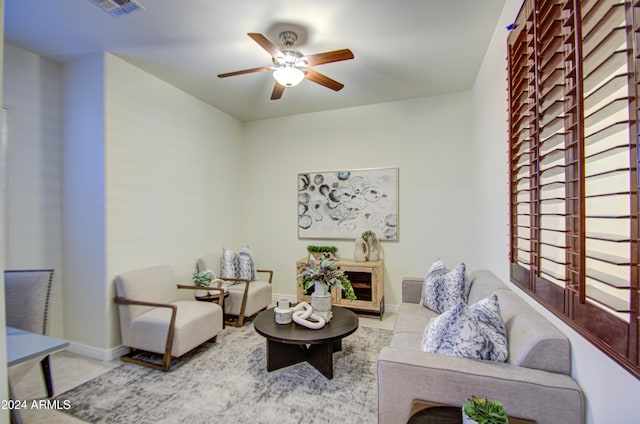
(322, 275)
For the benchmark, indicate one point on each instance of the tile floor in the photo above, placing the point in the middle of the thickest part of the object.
(70, 370)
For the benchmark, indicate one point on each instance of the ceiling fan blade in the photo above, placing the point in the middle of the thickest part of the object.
(264, 42)
(244, 71)
(277, 91)
(321, 79)
(328, 57)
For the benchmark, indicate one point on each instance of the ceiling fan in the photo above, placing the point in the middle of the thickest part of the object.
(291, 66)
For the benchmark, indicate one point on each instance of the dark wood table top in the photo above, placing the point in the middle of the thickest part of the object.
(343, 323)
(423, 412)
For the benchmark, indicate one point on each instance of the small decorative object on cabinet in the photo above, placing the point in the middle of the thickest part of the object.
(361, 250)
(367, 282)
(482, 411)
(373, 245)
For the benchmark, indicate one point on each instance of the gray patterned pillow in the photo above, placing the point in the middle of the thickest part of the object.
(247, 263)
(455, 332)
(443, 289)
(475, 331)
(487, 311)
(238, 265)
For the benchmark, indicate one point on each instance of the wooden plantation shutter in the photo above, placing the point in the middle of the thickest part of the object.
(573, 82)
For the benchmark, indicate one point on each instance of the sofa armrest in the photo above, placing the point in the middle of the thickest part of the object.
(405, 375)
(411, 289)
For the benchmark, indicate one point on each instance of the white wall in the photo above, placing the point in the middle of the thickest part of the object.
(173, 177)
(83, 200)
(427, 139)
(611, 392)
(33, 187)
(150, 176)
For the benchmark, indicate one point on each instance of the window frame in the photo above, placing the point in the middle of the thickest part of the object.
(551, 66)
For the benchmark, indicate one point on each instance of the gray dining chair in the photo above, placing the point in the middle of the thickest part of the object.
(27, 293)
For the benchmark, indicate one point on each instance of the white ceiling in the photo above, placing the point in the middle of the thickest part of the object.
(403, 48)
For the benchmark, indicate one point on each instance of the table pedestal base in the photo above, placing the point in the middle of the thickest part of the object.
(320, 356)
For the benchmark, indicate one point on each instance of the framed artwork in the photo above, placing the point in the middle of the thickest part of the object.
(344, 204)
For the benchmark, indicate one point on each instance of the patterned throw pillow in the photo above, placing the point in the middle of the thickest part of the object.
(475, 331)
(487, 311)
(238, 265)
(455, 332)
(443, 289)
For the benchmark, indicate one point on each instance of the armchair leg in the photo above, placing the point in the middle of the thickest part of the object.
(166, 361)
(239, 322)
(45, 366)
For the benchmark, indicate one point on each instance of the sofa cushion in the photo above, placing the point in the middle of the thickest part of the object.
(412, 318)
(444, 289)
(483, 284)
(533, 341)
(406, 341)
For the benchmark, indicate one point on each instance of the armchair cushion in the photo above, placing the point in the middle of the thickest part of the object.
(156, 284)
(196, 322)
(258, 297)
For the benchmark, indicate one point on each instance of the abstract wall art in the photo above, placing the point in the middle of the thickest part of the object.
(344, 204)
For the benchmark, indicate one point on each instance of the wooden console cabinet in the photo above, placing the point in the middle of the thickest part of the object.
(367, 279)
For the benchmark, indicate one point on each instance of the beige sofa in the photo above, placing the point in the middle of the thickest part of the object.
(534, 383)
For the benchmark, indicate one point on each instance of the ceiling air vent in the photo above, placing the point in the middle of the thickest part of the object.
(118, 7)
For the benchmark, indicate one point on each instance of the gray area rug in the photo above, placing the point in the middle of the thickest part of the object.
(227, 382)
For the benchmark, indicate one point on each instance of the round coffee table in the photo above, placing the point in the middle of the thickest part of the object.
(289, 344)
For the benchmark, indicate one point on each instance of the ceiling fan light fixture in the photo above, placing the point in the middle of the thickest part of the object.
(288, 76)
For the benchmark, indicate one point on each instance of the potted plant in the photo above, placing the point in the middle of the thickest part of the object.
(319, 252)
(325, 274)
(202, 279)
(483, 411)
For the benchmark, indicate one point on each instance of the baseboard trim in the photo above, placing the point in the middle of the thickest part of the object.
(93, 352)
(293, 298)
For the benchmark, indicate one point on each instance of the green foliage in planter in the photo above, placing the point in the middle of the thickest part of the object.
(485, 411)
(202, 279)
(369, 235)
(322, 249)
(328, 274)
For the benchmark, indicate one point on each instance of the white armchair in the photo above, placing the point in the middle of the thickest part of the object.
(153, 319)
(246, 298)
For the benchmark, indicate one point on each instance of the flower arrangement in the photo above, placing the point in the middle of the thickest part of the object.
(328, 274)
(203, 278)
(484, 411)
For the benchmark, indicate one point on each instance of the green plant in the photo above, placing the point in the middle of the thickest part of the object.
(328, 274)
(322, 249)
(485, 411)
(202, 279)
(369, 235)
